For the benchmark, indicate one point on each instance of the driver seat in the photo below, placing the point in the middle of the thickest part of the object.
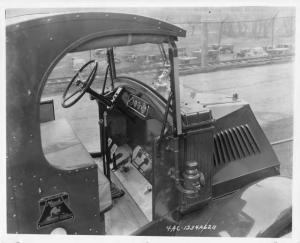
(64, 151)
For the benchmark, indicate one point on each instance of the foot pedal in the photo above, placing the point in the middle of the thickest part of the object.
(115, 191)
(120, 155)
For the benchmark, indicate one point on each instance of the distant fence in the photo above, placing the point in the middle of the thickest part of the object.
(273, 28)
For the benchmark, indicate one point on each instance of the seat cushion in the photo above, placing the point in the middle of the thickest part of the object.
(61, 146)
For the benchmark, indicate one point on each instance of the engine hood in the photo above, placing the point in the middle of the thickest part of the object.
(220, 105)
(264, 209)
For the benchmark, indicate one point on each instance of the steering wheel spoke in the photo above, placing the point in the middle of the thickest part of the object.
(73, 94)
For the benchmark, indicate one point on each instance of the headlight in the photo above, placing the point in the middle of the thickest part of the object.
(58, 231)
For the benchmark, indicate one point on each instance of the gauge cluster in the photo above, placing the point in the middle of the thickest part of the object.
(138, 105)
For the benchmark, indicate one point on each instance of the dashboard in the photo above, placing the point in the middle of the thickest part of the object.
(138, 105)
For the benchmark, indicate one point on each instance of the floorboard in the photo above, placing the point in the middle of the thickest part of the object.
(126, 216)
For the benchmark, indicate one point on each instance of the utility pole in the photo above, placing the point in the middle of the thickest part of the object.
(221, 31)
(204, 45)
(273, 27)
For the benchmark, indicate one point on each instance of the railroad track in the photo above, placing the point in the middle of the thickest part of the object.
(234, 63)
(185, 69)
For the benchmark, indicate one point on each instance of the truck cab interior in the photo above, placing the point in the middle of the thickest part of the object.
(134, 121)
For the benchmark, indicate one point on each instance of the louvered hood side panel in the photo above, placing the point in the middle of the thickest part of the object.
(242, 152)
(233, 144)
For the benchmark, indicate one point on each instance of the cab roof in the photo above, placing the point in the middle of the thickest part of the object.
(128, 28)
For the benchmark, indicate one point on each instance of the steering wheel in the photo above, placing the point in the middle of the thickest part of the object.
(81, 85)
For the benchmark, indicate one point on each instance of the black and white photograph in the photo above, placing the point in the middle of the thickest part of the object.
(171, 121)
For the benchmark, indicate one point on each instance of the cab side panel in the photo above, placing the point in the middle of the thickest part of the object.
(77, 214)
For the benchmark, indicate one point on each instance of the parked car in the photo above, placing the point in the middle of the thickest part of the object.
(251, 52)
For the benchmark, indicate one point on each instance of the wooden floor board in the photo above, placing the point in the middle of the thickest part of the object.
(126, 216)
(138, 188)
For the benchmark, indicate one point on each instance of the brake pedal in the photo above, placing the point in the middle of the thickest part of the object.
(115, 191)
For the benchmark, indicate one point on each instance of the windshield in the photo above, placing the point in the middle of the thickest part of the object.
(148, 63)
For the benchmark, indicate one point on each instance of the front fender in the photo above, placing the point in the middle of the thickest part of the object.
(263, 209)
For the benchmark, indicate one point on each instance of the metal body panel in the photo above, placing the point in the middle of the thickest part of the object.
(114, 20)
(240, 214)
(249, 216)
(33, 184)
(165, 199)
(249, 166)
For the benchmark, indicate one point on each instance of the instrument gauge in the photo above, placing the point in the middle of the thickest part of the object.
(138, 105)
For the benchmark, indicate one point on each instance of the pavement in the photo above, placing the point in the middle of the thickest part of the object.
(268, 89)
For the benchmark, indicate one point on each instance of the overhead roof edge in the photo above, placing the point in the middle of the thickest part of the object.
(111, 20)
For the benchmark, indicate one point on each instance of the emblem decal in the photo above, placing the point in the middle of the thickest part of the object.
(54, 209)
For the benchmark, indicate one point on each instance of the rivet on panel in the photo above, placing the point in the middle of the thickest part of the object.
(90, 229)
(40, 190)
(77, 16)
(34, 176)
(11, 198)
(14, 215)
(51, 38)
(9, 178)
(41, 179)
(59, 174)
(94, 198)
(17, 25)
(48, 20)
(29, 92)
(21, 184)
